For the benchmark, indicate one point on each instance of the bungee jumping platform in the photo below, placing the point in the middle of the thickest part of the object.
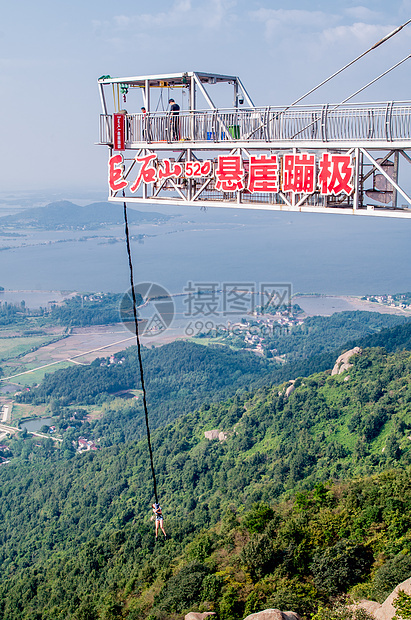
(350, 158)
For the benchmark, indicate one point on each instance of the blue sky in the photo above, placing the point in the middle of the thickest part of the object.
(51, 54)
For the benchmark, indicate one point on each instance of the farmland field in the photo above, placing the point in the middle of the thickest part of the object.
(14, 347)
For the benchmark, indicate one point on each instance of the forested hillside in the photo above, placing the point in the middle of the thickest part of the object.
(92, 309)
(181, 376)
(392, 339)
(321, 334)
(267, 517)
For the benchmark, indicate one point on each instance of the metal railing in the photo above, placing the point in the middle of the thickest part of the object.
(390, 121)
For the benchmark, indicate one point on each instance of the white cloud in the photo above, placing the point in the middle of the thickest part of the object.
(357, 32)
(286, 21)
(362, 13)
(327, 27)
(181, 16)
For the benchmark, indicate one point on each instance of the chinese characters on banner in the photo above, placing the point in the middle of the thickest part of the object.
(295, 173)
(335, 174)
(263, 174)
(229, 173)
(299, 173)
(119, 132)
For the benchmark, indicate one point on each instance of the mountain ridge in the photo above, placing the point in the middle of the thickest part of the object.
(282, 513)
(302, 500)
(66, 215)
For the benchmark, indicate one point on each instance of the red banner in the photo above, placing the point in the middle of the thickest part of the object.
(119, 132)
(296, 173)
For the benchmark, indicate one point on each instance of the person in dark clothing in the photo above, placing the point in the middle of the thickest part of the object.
(174, 122)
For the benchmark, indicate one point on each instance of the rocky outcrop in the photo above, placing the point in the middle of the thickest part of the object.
(342, 362)
(288, 390)
(215, 434)
(211, 434)
(273, 614)
(386, 610)
(194, 615)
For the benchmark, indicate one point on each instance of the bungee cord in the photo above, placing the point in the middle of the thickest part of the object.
(126, 227)
(140, 361)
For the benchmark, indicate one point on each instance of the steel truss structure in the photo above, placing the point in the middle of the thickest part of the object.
(375, 136)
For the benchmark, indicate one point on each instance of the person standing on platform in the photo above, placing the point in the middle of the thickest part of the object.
(144, 123)
(174, 112)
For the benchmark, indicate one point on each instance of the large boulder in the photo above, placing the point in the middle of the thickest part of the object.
(211, 435)
(195, 615)
(273, 614)
(215, 434)
(342, 362)
(385, 611)
(290, 388)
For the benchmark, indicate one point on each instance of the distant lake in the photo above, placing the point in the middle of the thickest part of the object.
(35, 425)
(332, 254)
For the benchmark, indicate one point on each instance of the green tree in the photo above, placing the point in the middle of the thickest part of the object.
(257, 519)
(337, 568)
(402, 606)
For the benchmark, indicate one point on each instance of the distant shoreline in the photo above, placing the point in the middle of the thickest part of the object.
(313, 304)
(322, 304)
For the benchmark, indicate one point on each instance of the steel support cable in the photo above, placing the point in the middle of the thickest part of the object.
(140, 361)
(356, 93)
(373, 47)
(374, 80)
